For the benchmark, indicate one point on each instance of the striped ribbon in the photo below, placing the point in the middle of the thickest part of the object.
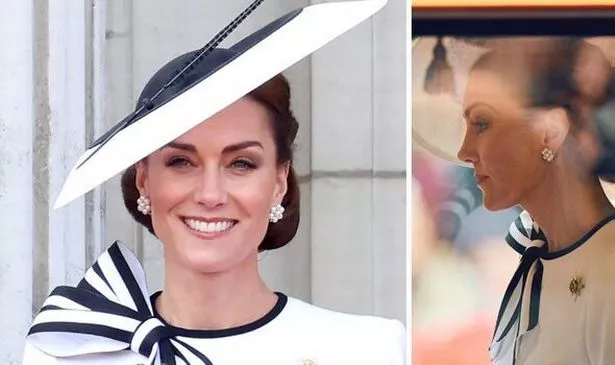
(109, 311)
(520, 306)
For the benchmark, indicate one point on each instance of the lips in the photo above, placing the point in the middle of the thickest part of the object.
(480, 179)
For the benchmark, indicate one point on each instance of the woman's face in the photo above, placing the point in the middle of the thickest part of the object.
(502, 141)
(211, 189)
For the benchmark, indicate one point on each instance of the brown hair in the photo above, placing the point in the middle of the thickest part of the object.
(550, 71)
(275, 96)
(556, 72)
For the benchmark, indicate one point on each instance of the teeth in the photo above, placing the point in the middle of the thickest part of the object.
(211, 227)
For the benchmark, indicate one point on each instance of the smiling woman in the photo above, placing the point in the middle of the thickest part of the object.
(264, 112)
(227, 173)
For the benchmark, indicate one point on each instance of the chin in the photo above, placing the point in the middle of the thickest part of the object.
(207, 254)
(204, 256)
(493, 205)
(210, 260)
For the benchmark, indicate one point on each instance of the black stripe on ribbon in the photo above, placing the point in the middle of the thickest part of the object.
(530, 256)
(95, 302)
(101, 275)
(535, 296)
(201, 357)
(128, 278)
(85, 285)
(154, 336)
(168, 353)
(521, 227)
(84, 329)
(512, 242)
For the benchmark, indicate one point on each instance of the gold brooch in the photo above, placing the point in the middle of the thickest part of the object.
(308, 362)
(576, 286)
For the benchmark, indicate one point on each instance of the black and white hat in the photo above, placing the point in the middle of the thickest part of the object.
(211, 79)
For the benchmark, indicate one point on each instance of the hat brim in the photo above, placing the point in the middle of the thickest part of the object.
(437, 120)
(258, 60)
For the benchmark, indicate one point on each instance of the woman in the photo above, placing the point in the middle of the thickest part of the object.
(215, 197)
(530, 107)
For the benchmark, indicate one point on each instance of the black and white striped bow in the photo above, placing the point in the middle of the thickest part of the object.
(520, 306)
(109, 311)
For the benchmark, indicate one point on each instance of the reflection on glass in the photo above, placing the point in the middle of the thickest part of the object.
(522, 130)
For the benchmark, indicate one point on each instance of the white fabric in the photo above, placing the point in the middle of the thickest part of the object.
(581, 331)
(300, 332)
(571, 330)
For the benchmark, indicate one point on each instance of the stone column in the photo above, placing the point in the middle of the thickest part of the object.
(16, 179)
(358, 162)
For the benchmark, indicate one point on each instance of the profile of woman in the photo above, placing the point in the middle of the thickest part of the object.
(215, 196)
(534, 109)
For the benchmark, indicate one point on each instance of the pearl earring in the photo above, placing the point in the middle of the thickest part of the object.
(276, 213)
(144, 205)
(548, 155)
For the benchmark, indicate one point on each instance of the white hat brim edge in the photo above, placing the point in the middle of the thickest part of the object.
(428, 143)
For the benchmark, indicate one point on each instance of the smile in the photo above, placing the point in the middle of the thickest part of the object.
(209, 227)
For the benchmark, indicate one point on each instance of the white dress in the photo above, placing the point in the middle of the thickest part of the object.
(567, 309)
(293, 332)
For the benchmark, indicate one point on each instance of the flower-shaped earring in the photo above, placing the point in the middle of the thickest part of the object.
(547, 154)
(144, 205)
(276, 213)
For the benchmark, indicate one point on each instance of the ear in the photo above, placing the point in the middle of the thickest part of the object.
(281, 186)
(141, 177)
(556, 129)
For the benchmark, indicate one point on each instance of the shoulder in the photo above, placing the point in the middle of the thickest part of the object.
(599, 249)
(604, 231)
(315, 314)
(378, 334)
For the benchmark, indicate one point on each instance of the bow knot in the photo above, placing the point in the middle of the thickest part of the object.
(109, 311)
(520, 306)
(149, 333)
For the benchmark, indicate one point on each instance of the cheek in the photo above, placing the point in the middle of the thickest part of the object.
(254, 193)
(167, 192)
(511, 161)
(503, 155)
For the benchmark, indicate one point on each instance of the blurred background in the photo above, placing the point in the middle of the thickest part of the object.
(69, 70)
(461, 263)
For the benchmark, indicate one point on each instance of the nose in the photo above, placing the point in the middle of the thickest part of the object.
(467, 151)
(211, 191)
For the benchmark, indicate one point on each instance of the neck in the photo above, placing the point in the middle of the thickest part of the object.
(566, 207)
(209, 301)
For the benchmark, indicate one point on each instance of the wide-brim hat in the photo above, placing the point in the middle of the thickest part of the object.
(211, 79)
(437, 117)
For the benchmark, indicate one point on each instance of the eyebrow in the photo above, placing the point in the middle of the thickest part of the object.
(228, 149)
(241, 146)
(468, 110)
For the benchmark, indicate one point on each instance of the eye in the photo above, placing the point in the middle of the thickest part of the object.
(178, 161)
(243, 164)
(481, 124)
